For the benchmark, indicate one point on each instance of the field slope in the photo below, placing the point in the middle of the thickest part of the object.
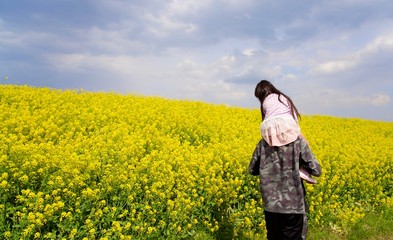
(76, 164)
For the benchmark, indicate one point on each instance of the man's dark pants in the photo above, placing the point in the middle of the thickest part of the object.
(282, 226)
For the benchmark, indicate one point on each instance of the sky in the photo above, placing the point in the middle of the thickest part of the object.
(332, 57)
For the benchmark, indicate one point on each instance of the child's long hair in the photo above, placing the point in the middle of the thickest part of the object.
(264, 88)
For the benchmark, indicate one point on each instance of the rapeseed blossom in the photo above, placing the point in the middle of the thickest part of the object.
(82, 165)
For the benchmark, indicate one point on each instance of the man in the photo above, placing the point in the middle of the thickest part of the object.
(282, 189)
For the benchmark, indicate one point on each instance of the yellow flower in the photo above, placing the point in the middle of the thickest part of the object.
(150, 154)
(37, 235)
(7, 234)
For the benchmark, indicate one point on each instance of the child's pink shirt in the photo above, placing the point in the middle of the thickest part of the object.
(278, 127)
(273, 107)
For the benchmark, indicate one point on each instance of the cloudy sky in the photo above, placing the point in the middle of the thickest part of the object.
(332, 57)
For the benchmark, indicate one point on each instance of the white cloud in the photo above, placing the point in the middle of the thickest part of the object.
(343, 99)
(381, 43)
(291, 77)
(335, 66)
(248, 52)
(186, 7)
(118, 65)
(351, 61)
(379, 99)
(163, 26)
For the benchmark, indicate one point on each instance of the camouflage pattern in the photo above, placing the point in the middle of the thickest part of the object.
(281, 186)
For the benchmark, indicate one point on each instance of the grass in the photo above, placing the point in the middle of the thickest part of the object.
(374, 226)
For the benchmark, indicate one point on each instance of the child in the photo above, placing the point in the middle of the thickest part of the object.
(280, 119)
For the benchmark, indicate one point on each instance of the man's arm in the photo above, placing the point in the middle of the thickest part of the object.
(309, 159)
(253, 167)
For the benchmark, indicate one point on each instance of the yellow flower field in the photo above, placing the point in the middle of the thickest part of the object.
(83, 165)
